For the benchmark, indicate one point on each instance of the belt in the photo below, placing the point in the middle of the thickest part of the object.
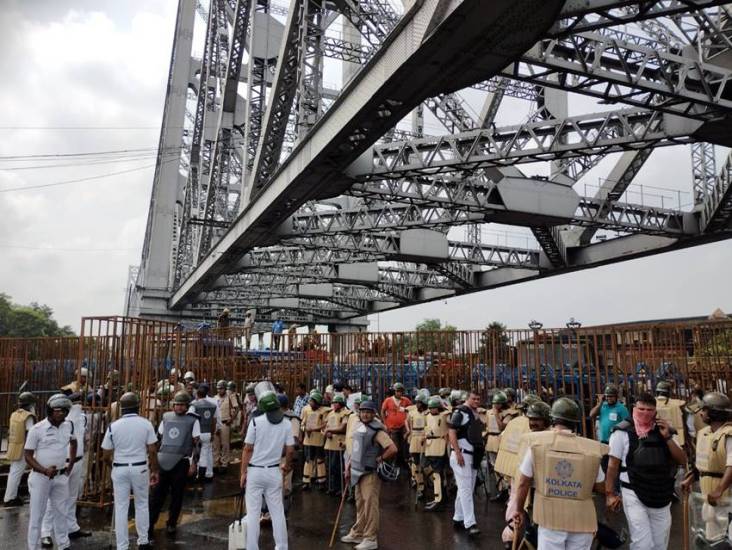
(58, 472)
(711, 474)
(466, 451)
(143, 463)
(259, 466)
(435, 437)
(494, 433)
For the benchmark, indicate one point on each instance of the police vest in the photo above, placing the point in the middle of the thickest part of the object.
(177, 440)
(365, 450)
(16, 437)
(711, 457)
(436, 430)
(494, 432)
(333, 421)
(671, 411)
(417, 423)
(206, 412)
(507, 459)
(313, 420)
(565, 469)
(649, 465)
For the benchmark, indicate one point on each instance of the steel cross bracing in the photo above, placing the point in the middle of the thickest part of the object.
(284, 180)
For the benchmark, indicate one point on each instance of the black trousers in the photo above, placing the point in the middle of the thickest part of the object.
(334, 469)
(173, 481)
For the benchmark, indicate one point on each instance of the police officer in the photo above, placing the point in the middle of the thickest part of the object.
(78, 385)
(609, 412)
(435, 448)
(312, 423)
(76, 481)
(268, 437)
(206, 411)
(130, 447)
(294, 422)
(371, 447)
(180, 440)
(222, 438)
(510, 411)
(335, 443)
(466, 442)
(713, 467)
(416, 420)
(494, 427)
(644, 452)
(671, 410)
(172, 383)
(50, 443)
(565, 469)
(507, 456)
(21, 421)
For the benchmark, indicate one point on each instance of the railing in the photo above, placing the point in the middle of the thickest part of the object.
(121, 353)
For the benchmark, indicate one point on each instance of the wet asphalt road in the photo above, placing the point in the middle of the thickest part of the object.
(208, 511)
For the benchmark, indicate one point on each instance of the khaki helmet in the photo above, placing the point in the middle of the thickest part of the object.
(663, 388)
(129, 400)
(566, 409)
(182, 398)
(715, 401)
(539, 409)
(26, 398)
(527, 401)
(499, 398)
(434, 402)
(221, 384)
(611, 390)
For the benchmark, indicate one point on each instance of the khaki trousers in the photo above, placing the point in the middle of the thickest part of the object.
(221, 449)
(368, 490)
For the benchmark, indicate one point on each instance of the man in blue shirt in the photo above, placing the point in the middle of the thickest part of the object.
(277, 328)
(610, 411)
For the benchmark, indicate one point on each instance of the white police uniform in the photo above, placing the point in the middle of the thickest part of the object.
(76, 480)
(50, 446)
(465, 477)
(129, 437)
(207, 458)
(264, 477)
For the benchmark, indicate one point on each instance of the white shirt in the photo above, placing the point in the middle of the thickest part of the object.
(78, 419)
(129, 436)
(527, 468)
(619, 447)
(214, 401)
(49, 443)
(269, 440)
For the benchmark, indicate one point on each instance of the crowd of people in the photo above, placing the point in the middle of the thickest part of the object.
(524, 452)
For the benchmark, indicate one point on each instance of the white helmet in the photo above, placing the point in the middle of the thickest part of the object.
(173, 372)
(189, 376)
(329, 389)
(84, 371)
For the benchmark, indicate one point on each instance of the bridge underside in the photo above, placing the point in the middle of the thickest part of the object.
(461, 150)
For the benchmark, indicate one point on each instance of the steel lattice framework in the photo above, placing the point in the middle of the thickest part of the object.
(322, 203)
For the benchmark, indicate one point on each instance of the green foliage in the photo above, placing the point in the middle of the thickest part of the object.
(28, 321)
(432, 337)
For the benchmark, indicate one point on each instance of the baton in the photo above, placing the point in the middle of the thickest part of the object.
(338, 519)
(685, 525)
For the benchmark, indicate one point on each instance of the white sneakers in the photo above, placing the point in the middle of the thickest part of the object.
(360, 544)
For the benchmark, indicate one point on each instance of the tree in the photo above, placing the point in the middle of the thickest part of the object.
(432, 336)
(29, 321)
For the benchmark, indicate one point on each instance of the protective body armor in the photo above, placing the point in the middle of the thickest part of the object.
(417, 422)
(672, 411)
(333, 421)
(649, 466)
(436, 429)
(206, 412)
(565, 469)
(16, 436)
(711, 457)
(509, 414)
(694, 408)
(177, 440)
(508, 450)
(494, 432)
(312, 419)
(365, 450)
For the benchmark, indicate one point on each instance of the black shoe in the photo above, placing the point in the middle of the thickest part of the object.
(170, 530)
(17, 501)
(147, 546)
(459, 525)
(305, 486)
(431, 506)
(46, 542)
(500, 497)
(79, 534)
(208, 479)
(474, 531)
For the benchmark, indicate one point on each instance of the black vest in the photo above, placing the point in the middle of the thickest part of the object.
(649, 465)
(472, 431)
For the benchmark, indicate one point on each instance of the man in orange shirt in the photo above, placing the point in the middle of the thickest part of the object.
(394, 413)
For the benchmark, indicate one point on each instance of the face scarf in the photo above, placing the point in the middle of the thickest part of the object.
(644, 421)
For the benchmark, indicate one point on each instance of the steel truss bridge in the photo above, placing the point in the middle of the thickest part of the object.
(322, 203)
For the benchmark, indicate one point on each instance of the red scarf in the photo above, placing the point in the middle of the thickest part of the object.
(644, 421)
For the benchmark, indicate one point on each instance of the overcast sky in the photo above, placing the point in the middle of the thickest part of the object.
(68, 66)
